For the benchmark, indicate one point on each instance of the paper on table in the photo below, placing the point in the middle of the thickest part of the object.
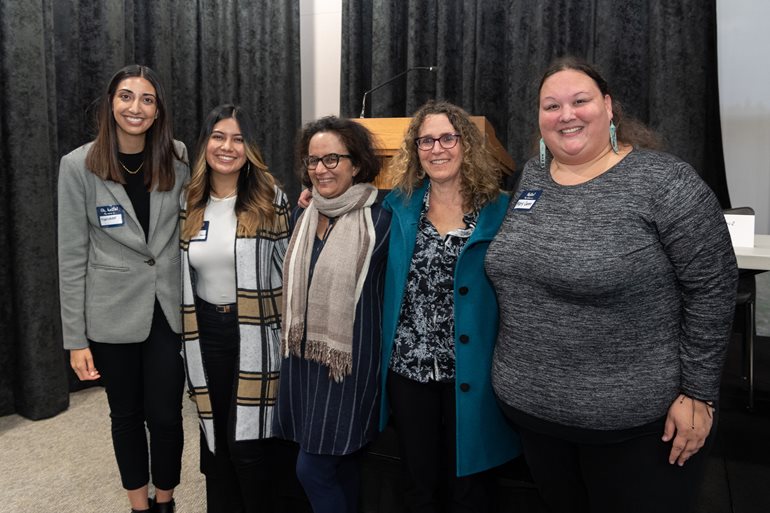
(741, 230)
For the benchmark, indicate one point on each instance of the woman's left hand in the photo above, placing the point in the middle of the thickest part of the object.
(688, 423)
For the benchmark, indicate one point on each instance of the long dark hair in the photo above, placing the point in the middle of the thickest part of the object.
(256, 186)
(629, 129)
(356, 138)
(159, 151)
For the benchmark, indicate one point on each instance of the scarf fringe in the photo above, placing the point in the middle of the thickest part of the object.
(293, 342)
(340, 363)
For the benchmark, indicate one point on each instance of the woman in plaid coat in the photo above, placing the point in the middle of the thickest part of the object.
(234, 236)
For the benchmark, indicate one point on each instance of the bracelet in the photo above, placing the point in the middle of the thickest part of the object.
(709, 404)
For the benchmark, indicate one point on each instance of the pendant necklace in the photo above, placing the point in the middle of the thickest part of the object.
(128, 170)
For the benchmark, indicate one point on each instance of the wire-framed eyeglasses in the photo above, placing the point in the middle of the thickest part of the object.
(446, 141)
(330, 160)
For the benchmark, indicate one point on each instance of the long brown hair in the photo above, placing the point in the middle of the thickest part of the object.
(159, 150)
(256, 186)
(480, 173)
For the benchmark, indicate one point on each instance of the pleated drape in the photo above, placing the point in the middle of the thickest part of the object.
(658, 57)
(55, 59)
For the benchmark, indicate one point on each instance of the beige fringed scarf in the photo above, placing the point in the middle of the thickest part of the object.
(329, 305)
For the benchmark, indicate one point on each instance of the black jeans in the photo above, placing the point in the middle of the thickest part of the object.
(237, 473)
(424, 419)
(632, 476)
(144, 383)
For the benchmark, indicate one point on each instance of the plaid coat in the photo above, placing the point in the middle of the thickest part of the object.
(258, 262)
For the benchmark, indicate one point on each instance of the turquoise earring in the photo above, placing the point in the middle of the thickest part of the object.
(542, 153)
(613, 137)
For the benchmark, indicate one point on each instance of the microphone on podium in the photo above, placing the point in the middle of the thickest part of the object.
(423, 68)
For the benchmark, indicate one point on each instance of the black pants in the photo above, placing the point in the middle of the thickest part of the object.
(144, 383)
(632, 476)
(237, 473)
(424, 419)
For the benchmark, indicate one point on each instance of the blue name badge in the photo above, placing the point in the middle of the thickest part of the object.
(110, 216)
(527, 200)
(203, 234)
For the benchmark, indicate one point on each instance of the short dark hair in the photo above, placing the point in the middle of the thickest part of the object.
(357, 139)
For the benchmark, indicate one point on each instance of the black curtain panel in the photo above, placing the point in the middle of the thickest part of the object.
(33, 381)
(658, 57)
(56, 57)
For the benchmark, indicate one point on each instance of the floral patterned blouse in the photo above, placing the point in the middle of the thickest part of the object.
(423, 348)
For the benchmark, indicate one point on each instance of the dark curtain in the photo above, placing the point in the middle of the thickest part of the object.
(658, 57)
(55, 59)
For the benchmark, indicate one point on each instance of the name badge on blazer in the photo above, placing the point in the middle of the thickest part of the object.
(527, 200)
(203, 234)
(110, 216)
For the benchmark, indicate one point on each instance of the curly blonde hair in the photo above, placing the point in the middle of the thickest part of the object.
(480, 173)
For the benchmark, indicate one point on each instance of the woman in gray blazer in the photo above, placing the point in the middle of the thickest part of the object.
(119, 278)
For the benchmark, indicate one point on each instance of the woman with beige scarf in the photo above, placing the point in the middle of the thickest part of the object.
(332, 304)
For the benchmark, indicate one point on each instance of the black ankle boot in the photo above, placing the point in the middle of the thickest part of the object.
(165, 507)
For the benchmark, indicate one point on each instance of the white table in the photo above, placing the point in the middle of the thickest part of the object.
(758, 257)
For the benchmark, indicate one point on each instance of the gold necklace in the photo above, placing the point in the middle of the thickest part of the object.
(128, 170)
(232, 193)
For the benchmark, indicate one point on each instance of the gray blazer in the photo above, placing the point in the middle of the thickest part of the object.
(108, 275)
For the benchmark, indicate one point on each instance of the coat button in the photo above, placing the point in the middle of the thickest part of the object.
(150, 261)
(464, 339)
(465, 387)
(463, 291)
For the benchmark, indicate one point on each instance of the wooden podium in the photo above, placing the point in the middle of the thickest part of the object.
(390, 132)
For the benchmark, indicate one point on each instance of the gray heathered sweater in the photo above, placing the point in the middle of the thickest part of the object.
(615, 295)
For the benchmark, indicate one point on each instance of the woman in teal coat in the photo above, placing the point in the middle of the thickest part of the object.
(440, 313)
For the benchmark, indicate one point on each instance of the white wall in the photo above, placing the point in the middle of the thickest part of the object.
(743, 41)
(320, 50)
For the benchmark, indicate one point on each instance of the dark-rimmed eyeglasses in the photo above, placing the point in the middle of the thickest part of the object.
(330, 160)
(446, 141)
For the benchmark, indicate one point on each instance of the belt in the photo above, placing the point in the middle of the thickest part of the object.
(232, 307)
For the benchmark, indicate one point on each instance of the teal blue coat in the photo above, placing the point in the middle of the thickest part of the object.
(484, 437)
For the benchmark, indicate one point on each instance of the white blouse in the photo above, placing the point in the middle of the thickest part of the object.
(212, 253)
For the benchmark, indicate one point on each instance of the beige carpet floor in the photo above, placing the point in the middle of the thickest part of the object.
(66, 464)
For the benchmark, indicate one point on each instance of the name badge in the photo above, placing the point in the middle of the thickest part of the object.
(203, 234)
(110, 216)
(527, 200)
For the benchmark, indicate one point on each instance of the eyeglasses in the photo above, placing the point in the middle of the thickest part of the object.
(446, 141)
(330, 160)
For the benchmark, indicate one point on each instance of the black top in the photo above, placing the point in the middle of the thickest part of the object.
(423, 348)
(135, 188)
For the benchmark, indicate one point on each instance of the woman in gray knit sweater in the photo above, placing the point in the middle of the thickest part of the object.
(616, 282)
